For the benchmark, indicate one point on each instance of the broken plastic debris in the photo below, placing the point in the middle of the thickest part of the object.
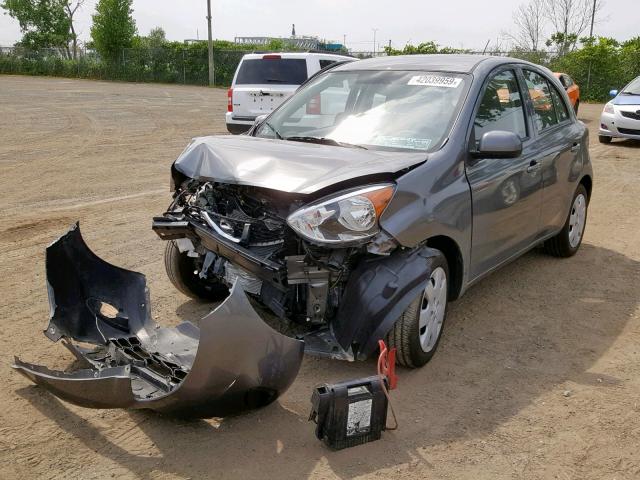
(232, 363)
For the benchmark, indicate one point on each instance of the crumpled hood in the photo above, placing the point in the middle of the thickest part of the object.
(288, 166)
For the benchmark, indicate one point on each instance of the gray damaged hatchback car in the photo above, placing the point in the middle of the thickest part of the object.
(383, 189)
(354, 212)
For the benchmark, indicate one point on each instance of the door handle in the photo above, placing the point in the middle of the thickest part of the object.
(575, 147)
(533, 166)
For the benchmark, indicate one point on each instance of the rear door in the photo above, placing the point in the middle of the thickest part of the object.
(559, 143)
(506, 192)
(263, 83)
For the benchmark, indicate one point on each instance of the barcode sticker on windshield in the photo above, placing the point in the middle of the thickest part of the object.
(435, 81)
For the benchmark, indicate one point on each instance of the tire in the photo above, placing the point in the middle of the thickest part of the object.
(180, 270)
(406, 334)
(604, 139)
(565, 243)
(576, 106)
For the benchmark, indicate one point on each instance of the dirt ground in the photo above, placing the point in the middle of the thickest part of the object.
(537, 376)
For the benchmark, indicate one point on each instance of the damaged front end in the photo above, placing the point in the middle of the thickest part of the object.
(320, 265)
(230, 363)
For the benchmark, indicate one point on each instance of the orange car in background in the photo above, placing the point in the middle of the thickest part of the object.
(572, 89)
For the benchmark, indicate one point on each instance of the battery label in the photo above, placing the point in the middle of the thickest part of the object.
(359, 417)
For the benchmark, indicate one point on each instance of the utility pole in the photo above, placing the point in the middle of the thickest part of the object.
(212, 78)
(593, 17)
(375, 49)
(344, 40)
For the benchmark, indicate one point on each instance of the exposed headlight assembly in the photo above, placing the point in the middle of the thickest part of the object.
(348, 217)
(608, 108)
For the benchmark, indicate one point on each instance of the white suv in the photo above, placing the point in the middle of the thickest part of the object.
(263, 81)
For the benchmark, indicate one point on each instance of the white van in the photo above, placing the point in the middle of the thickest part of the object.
(263, 81)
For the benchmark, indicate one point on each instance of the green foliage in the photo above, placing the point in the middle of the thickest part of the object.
(154, 59)
(423, 48)
(156, 39)
(538, 56)
(604, 59)
(562, 42)
(113, 28)
(276, 44)
(630, 59)
(44, 23)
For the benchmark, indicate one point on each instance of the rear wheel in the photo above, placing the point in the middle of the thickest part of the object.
(567, 242)
(182, 271)
(576, 106)
(416, 334)
(604, 139)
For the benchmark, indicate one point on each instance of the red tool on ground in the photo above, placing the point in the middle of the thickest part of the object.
(387, 364)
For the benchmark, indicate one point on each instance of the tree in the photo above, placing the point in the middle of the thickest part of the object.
(70, 9)
(569, 19)
(46, 23)
(113, 28)
(423, 48)
(528, 20)
(156, 39)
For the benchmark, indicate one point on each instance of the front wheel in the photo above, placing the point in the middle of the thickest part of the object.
(604, 139)
(567, 242)
(182, 271)
(417, 332)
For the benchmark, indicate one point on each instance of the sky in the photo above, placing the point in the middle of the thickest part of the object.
(456, 23)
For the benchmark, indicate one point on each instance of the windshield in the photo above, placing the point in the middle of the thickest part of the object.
(388, 110)
(633, 88)
(286, 71)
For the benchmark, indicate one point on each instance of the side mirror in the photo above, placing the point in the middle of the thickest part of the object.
(613, 93)
(256, 123)
(499, 144)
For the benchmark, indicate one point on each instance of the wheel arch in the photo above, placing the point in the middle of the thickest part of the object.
(587, 182)
(451, 251)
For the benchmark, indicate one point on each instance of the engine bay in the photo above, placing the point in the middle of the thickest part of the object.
(253, 219)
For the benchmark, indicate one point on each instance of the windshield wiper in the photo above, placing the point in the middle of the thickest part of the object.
(324, 141)
(275, 80)
(630, 93)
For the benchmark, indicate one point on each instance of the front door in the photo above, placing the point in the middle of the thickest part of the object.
(506, 193)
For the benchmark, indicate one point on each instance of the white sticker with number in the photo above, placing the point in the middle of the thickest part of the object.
(435, 81)
(359, 417)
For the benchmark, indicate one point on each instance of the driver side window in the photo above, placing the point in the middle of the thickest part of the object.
(501, 107)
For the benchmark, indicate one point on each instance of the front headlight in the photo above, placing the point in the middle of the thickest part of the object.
(344, 218)
(608, 108)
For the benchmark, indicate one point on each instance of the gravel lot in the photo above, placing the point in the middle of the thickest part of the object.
(537, 376)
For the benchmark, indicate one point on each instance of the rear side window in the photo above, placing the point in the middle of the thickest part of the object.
(501, 107)
(285, 71)
(326, 63)
(559, 105)
(540, 94)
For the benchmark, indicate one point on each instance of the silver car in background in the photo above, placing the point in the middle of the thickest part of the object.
(621, 116)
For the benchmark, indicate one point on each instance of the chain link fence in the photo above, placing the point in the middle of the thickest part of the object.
(595, 72)
(187, 66)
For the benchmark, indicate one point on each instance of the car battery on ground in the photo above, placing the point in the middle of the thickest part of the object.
(350, 413)
(354, 412)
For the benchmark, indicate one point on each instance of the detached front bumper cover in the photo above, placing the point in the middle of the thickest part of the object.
(232, 363)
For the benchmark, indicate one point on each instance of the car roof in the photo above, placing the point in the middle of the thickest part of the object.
(459, 63)
(253, 56)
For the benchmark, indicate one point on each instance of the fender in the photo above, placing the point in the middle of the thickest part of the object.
(376, 294)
